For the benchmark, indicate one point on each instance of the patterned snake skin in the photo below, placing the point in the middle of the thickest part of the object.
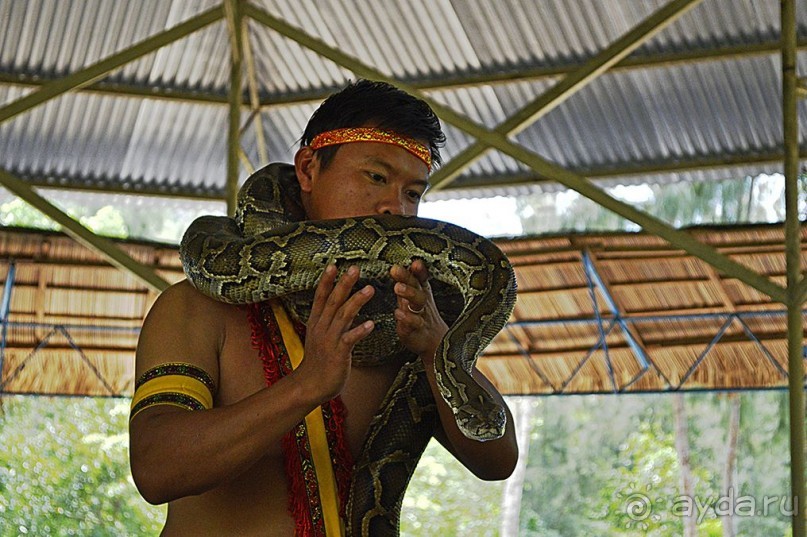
(270, 251)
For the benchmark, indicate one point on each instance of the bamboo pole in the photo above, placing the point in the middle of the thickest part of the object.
(254, 98)
(795, 330)
(5, 309)
(77, 80)
(233, 9)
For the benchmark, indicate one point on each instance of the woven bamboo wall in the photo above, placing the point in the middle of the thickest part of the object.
(683, 325)
(74, 320)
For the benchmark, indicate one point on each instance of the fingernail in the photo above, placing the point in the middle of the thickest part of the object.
(367, 289)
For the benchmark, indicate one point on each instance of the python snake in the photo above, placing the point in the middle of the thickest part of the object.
(270, 251)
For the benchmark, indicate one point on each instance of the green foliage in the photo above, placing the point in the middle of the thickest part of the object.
(728, 201)
(106, 220)
(137, 217)
(64, 470)
(646, 475)
(593, 458)
(445, 499)
(18, 213)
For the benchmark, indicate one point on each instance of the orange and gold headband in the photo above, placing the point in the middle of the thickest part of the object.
(368, 134)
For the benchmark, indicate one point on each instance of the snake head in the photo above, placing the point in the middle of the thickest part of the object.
(485, 423)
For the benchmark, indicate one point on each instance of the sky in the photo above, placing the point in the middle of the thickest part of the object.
(490, 217)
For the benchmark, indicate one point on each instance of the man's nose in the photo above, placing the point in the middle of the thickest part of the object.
(391, 203)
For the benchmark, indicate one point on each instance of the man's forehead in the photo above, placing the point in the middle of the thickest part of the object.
(380, 160)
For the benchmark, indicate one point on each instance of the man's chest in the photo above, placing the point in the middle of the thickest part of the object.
(243, 373)
(363, 395)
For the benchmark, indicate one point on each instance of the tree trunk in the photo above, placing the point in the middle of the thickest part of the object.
(731, 458)
(682, 447)
(523, 411)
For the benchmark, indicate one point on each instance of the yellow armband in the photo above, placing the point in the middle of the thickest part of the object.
(177, 384)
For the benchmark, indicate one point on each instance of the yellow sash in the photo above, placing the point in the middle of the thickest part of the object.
(315, 424)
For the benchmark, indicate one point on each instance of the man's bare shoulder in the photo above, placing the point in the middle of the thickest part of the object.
(186, 326)
(182, 303)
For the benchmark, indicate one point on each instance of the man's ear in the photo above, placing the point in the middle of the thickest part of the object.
(305, 166)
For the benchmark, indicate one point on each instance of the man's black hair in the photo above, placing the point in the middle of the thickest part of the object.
(377, 104)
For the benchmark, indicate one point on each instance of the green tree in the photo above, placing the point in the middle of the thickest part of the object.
(131, 219)
(19, 214)
(107, 221)
(574, 448)
(64, 470)
(728, 201)
(445, 499)
(644, 483)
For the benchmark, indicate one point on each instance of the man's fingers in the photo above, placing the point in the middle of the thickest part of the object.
(351, 307)
(341, 291)
(322, 292)
(354, 335)
(420, 271)
(402, 275)
(335, 308)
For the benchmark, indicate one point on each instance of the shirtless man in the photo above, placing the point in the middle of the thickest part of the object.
(221, 469)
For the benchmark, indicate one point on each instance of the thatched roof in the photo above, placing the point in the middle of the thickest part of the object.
(668, 320)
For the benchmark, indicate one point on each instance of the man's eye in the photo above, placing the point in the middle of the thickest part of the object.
(377, 177)
(414, 195)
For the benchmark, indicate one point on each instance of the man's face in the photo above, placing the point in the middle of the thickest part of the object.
(362, 179)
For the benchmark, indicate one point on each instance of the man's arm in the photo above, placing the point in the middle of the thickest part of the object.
(422, 332)
(492, 460)
(176, 453)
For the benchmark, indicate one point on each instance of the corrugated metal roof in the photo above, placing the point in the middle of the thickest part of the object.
(643, 119)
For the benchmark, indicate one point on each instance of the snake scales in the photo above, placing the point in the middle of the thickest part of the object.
(269, 250)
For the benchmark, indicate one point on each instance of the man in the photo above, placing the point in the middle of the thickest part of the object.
(222, 467)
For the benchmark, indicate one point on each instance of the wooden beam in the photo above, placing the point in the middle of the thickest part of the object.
(565, 88)
(801, 88)
(458, 79)
(103, 246)
(674, 165)
(115, 185)
(254, 97)
(195, 192)
(122, 89)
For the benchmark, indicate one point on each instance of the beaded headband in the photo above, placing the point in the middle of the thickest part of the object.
(367, 134)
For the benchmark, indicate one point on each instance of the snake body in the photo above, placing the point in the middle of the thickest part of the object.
(270, 251)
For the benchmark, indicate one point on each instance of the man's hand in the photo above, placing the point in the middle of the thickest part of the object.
(330, 335)
(421, 329)
(419, 325)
